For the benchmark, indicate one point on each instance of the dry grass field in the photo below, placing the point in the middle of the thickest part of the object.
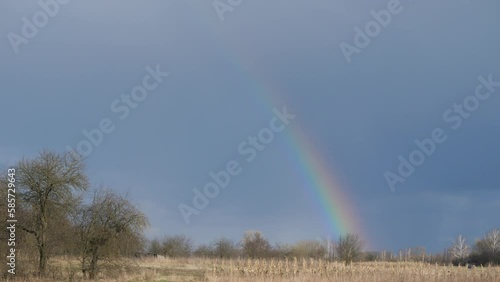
(194, 269)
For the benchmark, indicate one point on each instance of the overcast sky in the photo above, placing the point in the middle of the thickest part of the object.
(360, 115)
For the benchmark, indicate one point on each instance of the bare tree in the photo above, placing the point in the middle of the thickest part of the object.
(46, 188)
(154, 247)
(492, 240)
(310, 248)
(283, 250)
(459, 249)
(204, 251)
(104, 223)
(255, 245)
(330, 248)
(481, 247)
(177, 246)
(486, 250)
(349, 247)
(224, 248)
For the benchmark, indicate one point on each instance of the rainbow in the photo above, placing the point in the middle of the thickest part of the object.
(335, 206)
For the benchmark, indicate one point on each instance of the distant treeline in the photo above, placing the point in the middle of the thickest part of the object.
(348, 248)
(485, 251)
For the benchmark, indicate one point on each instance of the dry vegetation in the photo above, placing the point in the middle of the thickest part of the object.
(318, 270)
(195, 269)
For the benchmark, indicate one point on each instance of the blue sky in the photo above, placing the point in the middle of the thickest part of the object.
(361, 115)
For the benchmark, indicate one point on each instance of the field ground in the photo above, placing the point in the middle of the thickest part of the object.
(195, 269)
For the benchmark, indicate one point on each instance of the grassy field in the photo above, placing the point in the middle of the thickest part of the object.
(65, 269)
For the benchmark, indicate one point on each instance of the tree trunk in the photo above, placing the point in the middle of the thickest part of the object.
(84, 266)
(93, 264)
(42, 263)
(42, 246)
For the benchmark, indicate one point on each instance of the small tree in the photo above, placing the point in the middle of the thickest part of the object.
(154, 246)
(312, 249)
(106, 221)
(281, 250)
(255, 245)
(204, 251)
(460, 250)
(487, 249)
(177, 246)
(46, 189)
(224, 248)
(349, 247)
(492, 240)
